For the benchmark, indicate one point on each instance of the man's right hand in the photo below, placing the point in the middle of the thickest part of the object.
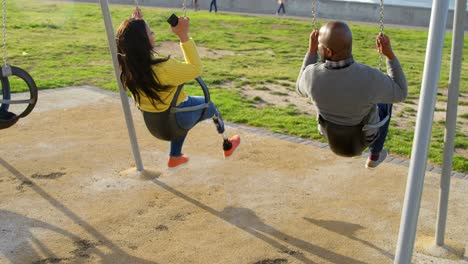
(384, 46)
(313, 42)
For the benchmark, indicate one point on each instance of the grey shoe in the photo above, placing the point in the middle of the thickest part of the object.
(370, 164)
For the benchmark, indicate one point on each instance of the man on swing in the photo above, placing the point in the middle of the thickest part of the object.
(346, 92)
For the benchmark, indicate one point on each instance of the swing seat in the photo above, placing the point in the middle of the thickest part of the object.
(7, 119)
(345, 141)
(164, 125)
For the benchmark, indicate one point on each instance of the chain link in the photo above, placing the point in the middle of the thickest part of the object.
(381, 30)
(184, 6)
(314, 14)
(4, 33)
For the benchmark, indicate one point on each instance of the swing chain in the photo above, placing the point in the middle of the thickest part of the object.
(4, 31)
(6, 69)
(184, 6)
(314, 14)
(381, 30)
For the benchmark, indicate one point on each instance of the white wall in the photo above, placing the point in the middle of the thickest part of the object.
(327, 9)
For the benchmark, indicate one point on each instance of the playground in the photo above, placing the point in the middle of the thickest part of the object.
(71, 199)
(70, 192)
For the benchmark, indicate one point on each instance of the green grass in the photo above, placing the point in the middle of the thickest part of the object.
(409, 109)
(262, 88)
(64, 44)
(279, 93)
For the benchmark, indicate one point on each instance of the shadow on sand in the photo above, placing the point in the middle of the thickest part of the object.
(85, 248)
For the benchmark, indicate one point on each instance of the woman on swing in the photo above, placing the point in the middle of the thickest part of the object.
(153, 80)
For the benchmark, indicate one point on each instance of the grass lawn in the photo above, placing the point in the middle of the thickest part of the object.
(64, 44)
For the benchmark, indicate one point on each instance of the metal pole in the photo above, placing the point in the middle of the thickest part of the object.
(123, 94)
(422, 135)
(451, 118)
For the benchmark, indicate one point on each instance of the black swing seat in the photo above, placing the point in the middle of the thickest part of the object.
(349, 141)
(8, 119)
(164, 125)
(346, 141)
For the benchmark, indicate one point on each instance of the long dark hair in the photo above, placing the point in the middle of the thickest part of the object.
(136, 59)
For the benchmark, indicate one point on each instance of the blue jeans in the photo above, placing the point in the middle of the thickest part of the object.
(281, 6)
(377, 145)
(213, 3)
(188, 120)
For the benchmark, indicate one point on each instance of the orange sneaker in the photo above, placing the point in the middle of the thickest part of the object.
(177, 161)
(235, 141)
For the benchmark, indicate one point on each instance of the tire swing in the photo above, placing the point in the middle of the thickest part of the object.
(8, 119)
(350, 141)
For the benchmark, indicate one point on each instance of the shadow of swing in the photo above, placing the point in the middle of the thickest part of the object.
(256, 227)
(348, 230)
(27, 226)
(85, 247)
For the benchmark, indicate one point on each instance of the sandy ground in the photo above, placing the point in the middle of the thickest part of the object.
(66, 195)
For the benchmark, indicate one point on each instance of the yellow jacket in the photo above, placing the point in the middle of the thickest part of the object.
(174, 73)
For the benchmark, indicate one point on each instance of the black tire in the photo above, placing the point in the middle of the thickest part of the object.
(5, 93)
(32, 88)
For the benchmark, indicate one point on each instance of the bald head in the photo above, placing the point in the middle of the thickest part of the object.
(335, 41)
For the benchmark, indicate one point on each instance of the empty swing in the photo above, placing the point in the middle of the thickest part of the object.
(7, 118)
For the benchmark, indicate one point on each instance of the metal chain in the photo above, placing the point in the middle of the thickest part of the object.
(4, 33)
(314, 14)
(136, 3)
(184, 6)
(381, 30)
